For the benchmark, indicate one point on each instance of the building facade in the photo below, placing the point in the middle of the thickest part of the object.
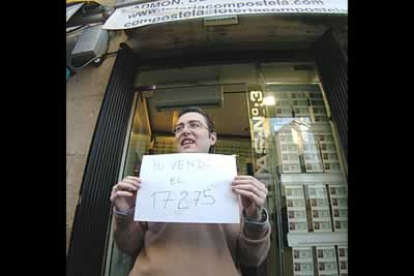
(276, 85)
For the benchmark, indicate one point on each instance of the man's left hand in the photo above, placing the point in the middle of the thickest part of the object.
(253, 195)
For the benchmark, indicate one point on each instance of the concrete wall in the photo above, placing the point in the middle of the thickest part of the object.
(84, 95)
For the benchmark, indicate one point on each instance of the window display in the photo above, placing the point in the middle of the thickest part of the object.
(343, 260)
(301, 260)
(308, 134)
(339, 205)
(326, 261)
(319, 208)
(295, 202)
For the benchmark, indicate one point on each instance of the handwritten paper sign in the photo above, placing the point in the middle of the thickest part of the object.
(187, 187)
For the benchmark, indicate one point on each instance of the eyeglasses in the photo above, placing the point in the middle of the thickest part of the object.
(193, 125)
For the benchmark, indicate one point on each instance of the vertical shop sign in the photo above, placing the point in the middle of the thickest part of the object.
(257, 114)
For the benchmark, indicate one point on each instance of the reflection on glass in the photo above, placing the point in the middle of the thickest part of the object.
(304, 145)
(137, 146)
(269, 100)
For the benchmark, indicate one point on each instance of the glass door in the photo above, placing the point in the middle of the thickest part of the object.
(138, 144)
(297, 152)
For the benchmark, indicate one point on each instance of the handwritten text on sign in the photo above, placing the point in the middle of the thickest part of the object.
(187, 187)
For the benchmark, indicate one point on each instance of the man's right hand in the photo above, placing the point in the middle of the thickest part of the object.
(124, 193)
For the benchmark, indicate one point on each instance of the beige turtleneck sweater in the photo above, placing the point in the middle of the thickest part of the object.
(191, 249)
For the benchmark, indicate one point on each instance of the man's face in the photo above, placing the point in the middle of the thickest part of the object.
(194, 135)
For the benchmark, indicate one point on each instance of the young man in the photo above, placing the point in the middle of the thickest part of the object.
(187, 249)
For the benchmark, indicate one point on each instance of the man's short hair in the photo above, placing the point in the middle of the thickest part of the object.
(207, 117)
(209, 120)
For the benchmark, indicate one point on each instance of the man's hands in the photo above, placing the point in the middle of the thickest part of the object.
(253, 195)
(124, 193)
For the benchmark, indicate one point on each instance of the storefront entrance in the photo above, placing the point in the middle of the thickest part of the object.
(275, 117)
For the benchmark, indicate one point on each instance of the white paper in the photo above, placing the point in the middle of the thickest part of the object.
(187, 187)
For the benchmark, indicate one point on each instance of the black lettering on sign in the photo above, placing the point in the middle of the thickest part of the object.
(167, 199)
(191, 164)
(179, 204)
(212, 201)
(176, 180)
(178, 165)
(157, 166)
(202, 164)
(153, 201)
(198, 197)
(208, 198)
